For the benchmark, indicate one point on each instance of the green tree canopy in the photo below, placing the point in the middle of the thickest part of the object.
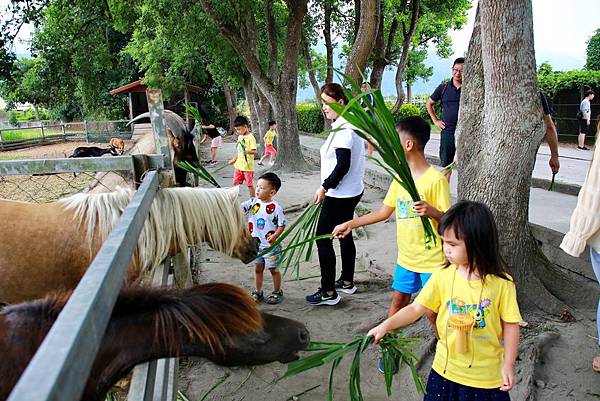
(593, 52)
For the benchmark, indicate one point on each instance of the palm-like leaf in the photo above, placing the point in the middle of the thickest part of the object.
(380, 131)
(200, 171)
(394, 346)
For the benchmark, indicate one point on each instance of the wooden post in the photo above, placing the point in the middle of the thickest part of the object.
(62, 127)
(130, 102)
(87, 138)
(42, 129)
(159, 129)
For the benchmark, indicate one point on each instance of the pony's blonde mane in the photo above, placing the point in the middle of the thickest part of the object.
(178, 216)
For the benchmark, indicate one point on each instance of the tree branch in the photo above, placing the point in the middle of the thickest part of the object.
(272, 41)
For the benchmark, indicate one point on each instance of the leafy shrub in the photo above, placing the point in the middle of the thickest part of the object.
(13, 120)
(408, 110)
(310, 118)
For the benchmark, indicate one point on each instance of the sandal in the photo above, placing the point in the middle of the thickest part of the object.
(257, 295)
(275, 297)
(596, 363)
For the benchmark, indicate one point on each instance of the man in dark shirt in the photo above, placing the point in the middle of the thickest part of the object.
(449, 94)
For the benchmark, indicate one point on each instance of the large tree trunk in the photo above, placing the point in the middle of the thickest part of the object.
(309, 67)
(277, 86)
(408, 33)
(263, 108)
(327, 8)
(408, 93)
(364, 40)
(251, 99)
(499, 132)
(231, 100)
(382, 52)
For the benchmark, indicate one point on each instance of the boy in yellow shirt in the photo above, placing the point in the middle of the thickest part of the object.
(243, 162)
(416, 260)
(269, 148)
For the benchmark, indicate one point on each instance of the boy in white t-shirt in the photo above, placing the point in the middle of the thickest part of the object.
(266, 222)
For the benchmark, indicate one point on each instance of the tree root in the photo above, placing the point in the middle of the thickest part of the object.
(529, 355)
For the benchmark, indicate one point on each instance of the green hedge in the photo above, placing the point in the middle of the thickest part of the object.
(310, 118)
(552, 82)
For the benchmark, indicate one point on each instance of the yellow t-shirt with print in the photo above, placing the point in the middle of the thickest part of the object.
(245, 162)
(413, 255)
(448, 292)
(269, 136)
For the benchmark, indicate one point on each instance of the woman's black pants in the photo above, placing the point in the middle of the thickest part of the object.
(336, 211)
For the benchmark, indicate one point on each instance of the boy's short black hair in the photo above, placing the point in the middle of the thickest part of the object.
(272, 123)
(589, 92)
(417, 128)
(274, 181)
(240, 120)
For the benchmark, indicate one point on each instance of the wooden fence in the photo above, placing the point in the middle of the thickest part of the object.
(61, 366)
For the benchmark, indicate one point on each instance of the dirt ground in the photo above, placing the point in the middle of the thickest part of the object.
(554, 360)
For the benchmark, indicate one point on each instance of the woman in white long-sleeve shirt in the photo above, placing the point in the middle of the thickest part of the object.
(585, 227)
(342, 172)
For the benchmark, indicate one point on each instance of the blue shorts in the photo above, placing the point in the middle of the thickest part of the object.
(271, 260)
(409, 282)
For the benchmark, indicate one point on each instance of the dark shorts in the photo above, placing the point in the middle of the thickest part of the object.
(447, 148)
(441, 389)
(583, 126)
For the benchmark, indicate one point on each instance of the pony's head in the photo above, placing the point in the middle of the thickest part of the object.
(220, 322)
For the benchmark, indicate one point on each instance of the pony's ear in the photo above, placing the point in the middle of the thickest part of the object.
(233, 193)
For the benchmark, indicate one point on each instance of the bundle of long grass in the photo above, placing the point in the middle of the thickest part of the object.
(301, 242)
(199, 171)
(394, 347)
(380, 132)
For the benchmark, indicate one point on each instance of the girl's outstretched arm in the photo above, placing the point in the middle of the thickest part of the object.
(510, 332)
(403, 317)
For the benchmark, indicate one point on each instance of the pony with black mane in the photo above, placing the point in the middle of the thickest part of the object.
(220, 322)
(48, 247)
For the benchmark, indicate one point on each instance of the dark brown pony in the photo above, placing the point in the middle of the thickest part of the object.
(219, 322)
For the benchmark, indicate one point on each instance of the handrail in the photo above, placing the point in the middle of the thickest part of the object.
(78, 331)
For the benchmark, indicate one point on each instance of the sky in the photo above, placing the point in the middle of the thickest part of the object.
(561, 30)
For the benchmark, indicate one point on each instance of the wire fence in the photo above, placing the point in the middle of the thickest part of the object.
(47, 180)
(42, 188)
(51, 132)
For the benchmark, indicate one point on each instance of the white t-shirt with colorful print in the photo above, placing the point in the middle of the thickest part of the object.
(263, 219)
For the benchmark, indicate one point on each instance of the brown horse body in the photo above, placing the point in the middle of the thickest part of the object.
(46, 248)
(219, 322)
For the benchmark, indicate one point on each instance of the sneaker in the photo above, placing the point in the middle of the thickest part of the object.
(381, 368)
(260, 163)
(257, 295)
(583, 148)
(213, 162)
(275, 297)
(346, 288)
(207, 161)
(321, 298)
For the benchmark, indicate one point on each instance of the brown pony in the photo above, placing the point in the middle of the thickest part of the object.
(219, 322)
(46, 248)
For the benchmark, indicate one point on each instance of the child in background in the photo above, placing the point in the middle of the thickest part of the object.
(477, 312)
(215, 141)
(269, 148)
(266, 222)
(243, 162)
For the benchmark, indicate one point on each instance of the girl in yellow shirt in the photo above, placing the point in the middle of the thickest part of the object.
(477, 312)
